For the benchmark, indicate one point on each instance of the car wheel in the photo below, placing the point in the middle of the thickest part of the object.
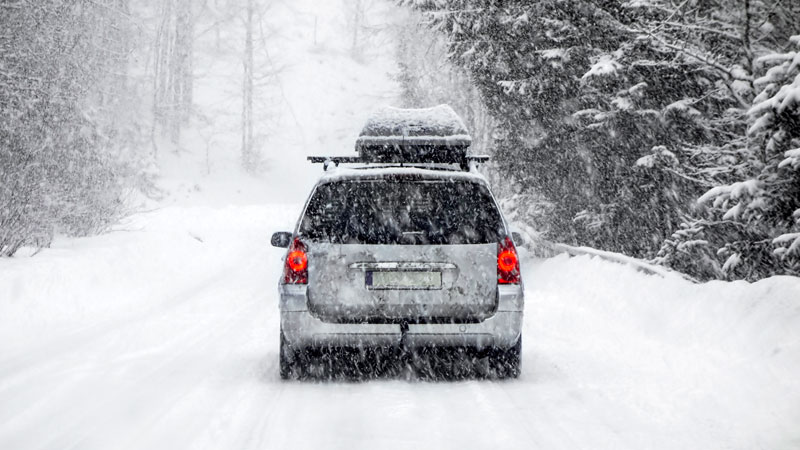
(289, 363)
(505, 363)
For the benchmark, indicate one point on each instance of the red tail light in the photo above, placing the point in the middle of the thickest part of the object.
(295, 270)
(507, 263)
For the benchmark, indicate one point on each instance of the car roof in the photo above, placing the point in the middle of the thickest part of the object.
(367, 173)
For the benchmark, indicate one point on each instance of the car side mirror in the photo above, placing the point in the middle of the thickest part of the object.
(281, 239)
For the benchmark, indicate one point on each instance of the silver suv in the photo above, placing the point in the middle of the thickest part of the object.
(402, 256)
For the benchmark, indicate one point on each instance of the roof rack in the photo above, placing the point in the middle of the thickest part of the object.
(463, 163)
(434, 135)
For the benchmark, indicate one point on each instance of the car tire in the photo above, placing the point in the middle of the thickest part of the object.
(506, 362)
(289, 363)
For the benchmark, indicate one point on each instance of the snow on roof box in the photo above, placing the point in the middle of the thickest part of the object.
(434, 134)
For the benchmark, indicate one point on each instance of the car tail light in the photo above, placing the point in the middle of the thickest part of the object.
(295, 269)
(507, 262)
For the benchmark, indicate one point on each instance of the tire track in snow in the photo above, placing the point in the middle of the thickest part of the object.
(17, 366)
(189, 338)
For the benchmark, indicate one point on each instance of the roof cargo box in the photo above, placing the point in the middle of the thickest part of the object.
(427, 135)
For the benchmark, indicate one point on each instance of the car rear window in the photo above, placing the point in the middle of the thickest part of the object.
(402, 212)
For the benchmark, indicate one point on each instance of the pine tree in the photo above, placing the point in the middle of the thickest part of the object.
(580, 96)
(719, 239)
(751, 227)
(614, 117)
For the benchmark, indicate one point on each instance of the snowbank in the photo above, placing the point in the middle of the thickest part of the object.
(147, 260)
(710, 365)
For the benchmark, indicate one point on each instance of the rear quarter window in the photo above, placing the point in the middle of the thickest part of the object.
(399, 211)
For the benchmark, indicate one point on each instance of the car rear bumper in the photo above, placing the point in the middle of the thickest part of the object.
(302, 329)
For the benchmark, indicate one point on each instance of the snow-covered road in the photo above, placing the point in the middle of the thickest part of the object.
(165, 336)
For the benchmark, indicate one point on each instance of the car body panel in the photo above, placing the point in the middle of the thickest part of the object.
(302, 328)
(339, 274)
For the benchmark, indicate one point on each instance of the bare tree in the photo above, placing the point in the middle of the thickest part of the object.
(356, 22)
(248, 152)
(173, 78)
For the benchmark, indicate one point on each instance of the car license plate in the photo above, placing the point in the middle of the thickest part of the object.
(403, 280)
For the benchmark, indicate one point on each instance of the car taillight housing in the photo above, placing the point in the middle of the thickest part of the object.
(295, 269)
(507, 262)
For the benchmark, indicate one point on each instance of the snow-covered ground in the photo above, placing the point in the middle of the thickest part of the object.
(166, 336)
(164, 332)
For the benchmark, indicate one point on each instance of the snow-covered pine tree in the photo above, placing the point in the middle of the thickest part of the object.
(580, 96)
(736, 41)
(751, 228)
(617, 115)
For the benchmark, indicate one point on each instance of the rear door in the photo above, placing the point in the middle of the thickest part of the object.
(402, 248)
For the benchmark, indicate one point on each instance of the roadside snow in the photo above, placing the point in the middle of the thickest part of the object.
(79, 283)
(695, 366)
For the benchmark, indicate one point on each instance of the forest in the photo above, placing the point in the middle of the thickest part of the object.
(665, 130)
(90, 93)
